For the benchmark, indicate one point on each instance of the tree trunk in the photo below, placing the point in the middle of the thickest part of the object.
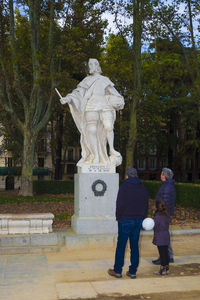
(132, 136)
(59, 137)
(183, 176)
(28, 164)
(138, 7)
(196, 169)
(170, 157)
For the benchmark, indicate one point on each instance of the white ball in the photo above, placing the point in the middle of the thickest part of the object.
(148, 224)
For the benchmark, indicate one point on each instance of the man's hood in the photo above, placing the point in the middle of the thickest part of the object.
(134, 180)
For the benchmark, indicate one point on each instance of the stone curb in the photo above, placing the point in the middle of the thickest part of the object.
(30, 243)
(175, 231)
(127, 287)
(73, 240)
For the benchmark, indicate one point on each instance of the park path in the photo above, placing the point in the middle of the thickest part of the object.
(82, 273)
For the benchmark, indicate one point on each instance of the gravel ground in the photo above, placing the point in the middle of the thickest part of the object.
(63, 210)
(192, 295)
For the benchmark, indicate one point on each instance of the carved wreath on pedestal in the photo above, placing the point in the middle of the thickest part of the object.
(99, 187)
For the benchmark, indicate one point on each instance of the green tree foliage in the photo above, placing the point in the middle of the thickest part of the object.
(165, 88)
(178, 25)
(137, 13)
(167, 110)
(22, 91)
(167, 103)
(80, 37)
(117, 64)
(47, 44)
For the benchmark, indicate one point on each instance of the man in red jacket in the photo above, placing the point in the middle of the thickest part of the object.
(131, 209)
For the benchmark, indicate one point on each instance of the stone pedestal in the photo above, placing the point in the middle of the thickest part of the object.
(95, 203)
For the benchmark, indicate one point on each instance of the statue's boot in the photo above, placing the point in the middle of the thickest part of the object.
(114, 153)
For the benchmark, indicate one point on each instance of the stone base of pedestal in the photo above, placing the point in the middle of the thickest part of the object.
(95, 203)
(95, 225)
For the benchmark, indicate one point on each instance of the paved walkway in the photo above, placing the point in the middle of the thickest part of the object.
(82, 273)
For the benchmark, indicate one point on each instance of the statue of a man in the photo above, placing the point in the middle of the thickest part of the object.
(93, 105)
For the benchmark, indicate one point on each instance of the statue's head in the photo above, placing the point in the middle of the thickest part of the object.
(94, 66)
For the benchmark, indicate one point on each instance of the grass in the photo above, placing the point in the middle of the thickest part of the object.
(62, 217)
(9, 198)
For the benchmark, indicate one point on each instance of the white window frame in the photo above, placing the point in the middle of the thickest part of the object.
(153, 150)
(151, 159)
(143, 160)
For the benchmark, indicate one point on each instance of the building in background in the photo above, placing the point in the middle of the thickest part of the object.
(148, 162)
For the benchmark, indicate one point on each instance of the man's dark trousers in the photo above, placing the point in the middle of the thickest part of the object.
(128, 229)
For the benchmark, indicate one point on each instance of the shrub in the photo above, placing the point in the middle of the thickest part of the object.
(152, 187)
(53, 187)
(187, 194)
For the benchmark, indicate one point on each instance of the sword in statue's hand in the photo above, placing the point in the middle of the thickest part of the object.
(58, 93)
(63, 100)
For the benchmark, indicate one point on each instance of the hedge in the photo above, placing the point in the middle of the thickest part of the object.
(17, 171)
(187, 194)
(53, 187)
(152, 187)
(17, 199)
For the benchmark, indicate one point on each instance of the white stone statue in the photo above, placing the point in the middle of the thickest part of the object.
(93, 105)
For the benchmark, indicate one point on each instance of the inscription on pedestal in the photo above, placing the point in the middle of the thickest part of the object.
(98, 168)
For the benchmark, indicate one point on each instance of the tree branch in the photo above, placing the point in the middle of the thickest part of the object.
(5, 93)
(34, 8)
(47, 114)
(176, 38)
(17, 87)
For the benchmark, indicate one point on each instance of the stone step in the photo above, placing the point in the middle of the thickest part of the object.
(66, 238)
(31, 243)
(28, 250)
